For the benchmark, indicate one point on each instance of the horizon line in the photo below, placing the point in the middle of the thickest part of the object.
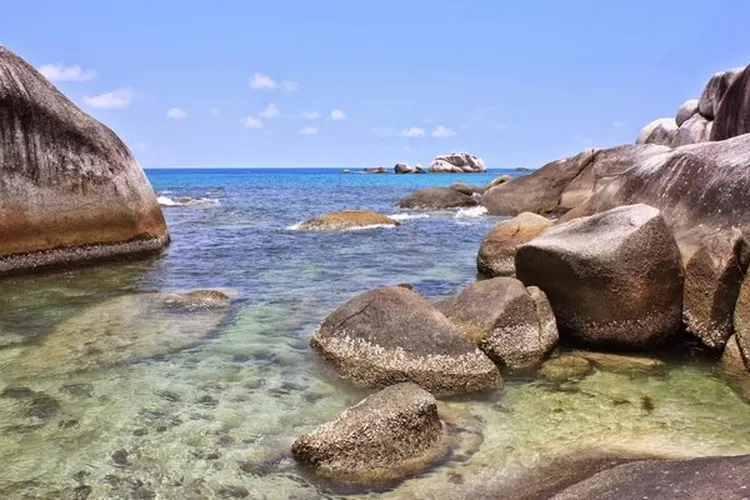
(294, 166)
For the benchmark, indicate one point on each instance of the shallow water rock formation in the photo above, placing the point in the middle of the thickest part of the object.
(621, 363)
(392, 334)
(614, 279)
(566, 366)
(514, 326)
(347, 219)
(123, 330)
(457, 163)
(70, 190)
(713, 277)
(661, 132)
(438, 199)
(391, 434)
(497, 253)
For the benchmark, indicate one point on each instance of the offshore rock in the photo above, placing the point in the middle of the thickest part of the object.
(347, 219)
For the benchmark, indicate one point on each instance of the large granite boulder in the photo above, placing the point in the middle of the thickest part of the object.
(713, 277)
(514, 326)
(703, 184)
(466, 189)
(438, 199)
(403, 168)
(661, 131)
(715, 90)
(393, 334)
(732, 116)
(686, 111)
(347, 219)
(614, 279)
(710, 478)
(742, 319)
(497, 252)
(457, 163)
(733, 359)
(502, 179)
(70, 189)
(695, 129)
(389, 435)
(561, 185)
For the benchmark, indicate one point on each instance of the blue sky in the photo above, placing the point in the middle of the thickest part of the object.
(351, 83)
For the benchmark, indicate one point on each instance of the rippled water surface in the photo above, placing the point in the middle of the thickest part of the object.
(107, 395)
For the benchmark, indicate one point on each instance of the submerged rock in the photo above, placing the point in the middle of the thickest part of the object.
(457, 163)
(120, 330)
(662, 132)
(70, 190)
(347, 219)
(713, 277)
(197, 299)
(614, 279)
(566, 366)
(392, 334)
(389, 435)
(514, 326)
(621, 363)
(497, 252)
(438, 199)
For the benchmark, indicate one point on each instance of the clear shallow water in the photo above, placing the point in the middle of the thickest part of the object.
(103, 391)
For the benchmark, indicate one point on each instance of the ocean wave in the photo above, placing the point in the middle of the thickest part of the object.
(471, 212)
(184, 201)
(409, 216)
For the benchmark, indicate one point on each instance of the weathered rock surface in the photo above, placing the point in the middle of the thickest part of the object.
(438, 199)
(70, 190)
(466, 189)
(497, 252)
(713, 277)
(742, 319)
(566, 366)
(695, 129)
(621, 363)
(715, 90)
(733, 359)
(123, 330)
(392, 334)
(389, 435)
(347, 219)
(499, 180)
(710, 478)
(662, 131)
(703, 184)
(457, 163)
(686, 111)
(614, 279)
(514, 326)
(733, 110)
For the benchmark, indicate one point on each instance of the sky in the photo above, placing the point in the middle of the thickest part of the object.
(363, 83)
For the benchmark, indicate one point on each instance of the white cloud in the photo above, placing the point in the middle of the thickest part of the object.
(177, 113)
(618, 124)
(442, 131)
(338, 115)
(290, 86)
(117, 99)
(215, 111)
(414, 132)
(310, 115)
(61, 73)
(252, 122)
(261, 81)
(308, 131)
(271, 111)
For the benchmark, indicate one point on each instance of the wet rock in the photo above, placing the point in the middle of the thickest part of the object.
(715, 90)
(71, 191)
(438, 199)
(457, 163)
(120, 330)
(621, 363)
(375, 170)
(233, 491)
(566, 366)
(661, 132)
(724, 478)
(686, 111)
(196, 299)
(208, 400)
(140, 432)
(513, 328)
(17, 392)
(42, 406)
(389, 435)
(82, 492)
(497, 252)
(84, 390)
(169, 396)
(403, 168)
(713, 277)
(392, 334)
(614, 279)
(120, 458)
(347, 219)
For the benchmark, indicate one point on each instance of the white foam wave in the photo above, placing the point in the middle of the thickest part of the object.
(471, 212)
(184, 201)
(298, 227)
(408, 216)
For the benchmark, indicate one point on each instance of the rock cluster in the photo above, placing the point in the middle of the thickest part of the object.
(457, 163)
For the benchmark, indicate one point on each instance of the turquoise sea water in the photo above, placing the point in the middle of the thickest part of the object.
(102, 395)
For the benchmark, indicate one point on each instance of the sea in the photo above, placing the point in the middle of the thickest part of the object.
(104, 395)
